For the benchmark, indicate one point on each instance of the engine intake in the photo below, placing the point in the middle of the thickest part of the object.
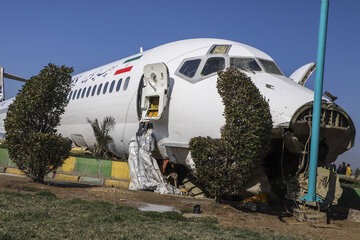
(337, 131)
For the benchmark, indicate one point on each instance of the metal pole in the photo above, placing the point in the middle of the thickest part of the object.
(320, 60)
(2, 87)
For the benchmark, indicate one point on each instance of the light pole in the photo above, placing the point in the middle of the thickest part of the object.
(320, 60)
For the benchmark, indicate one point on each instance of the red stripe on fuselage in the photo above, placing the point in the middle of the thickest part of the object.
(128, 69)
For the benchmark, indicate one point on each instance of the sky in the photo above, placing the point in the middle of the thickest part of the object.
(88, 34)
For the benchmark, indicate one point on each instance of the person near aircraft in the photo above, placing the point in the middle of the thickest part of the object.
(342, 169)
(348, 170)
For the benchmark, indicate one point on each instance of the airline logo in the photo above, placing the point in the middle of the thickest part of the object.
(127, 69)
(123, 70)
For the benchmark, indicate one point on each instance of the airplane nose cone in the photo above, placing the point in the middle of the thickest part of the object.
(284, 96)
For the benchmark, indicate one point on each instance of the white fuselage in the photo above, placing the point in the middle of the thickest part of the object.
(194, 108)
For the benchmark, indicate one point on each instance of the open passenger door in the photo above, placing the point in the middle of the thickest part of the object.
(154, 92)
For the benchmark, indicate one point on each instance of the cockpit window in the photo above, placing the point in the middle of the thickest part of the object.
(219, 49)
(246, 63)
(270, 67)
(189, 67)
(212, 65)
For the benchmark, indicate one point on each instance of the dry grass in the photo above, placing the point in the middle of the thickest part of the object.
(43, 216)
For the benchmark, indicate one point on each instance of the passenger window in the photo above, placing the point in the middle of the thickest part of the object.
(74, 94)
(212, 65)
(78, 95)
(88, 92)
(118, 85)
(94, 90)
(99, 89)
(246, 63)
(189, 67)
(83, 93)
(105, 87)
(112, 86)
(70, 94)
(126, 83)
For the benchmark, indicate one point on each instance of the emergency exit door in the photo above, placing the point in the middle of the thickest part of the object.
(154, 92)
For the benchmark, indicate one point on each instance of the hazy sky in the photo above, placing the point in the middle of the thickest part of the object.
(87, 34)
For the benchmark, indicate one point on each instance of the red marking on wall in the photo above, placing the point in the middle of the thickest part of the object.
(128, 69)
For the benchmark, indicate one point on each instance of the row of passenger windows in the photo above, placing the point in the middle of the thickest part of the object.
(102, 88)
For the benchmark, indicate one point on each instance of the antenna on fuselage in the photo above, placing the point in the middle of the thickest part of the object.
(3, 75)
(141, 49)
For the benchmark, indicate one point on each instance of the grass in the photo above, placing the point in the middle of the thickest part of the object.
(43, 216)
(351, 193)
(350, 183)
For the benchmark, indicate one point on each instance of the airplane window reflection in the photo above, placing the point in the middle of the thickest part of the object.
(83, 93)
(99, 89)
(94, 90)
(118, 85)
(270, 67)
(247, 63)
(112, 86)
(213, 65)
(88, 92)
(189, 67)
(70, 94)
(74, 94)
(219, 49)
(126, 83)
(78, 95)
(105, 87)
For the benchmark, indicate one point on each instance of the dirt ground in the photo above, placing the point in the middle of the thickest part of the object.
(277, 221)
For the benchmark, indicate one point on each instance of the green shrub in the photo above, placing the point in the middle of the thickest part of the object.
(31, 135)
(102, 136)
(224, 166)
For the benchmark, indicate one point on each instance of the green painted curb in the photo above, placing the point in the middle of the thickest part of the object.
(91, 180)
(86, 167)
(92, 167)
(105, 168)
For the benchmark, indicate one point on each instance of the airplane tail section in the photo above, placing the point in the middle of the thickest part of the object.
(3, 75)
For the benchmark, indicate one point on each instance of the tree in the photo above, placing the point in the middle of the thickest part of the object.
(357, 173)
(31, 121)
(101, 132)
(225, 165)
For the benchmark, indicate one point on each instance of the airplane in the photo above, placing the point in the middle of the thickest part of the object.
(174, 87)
